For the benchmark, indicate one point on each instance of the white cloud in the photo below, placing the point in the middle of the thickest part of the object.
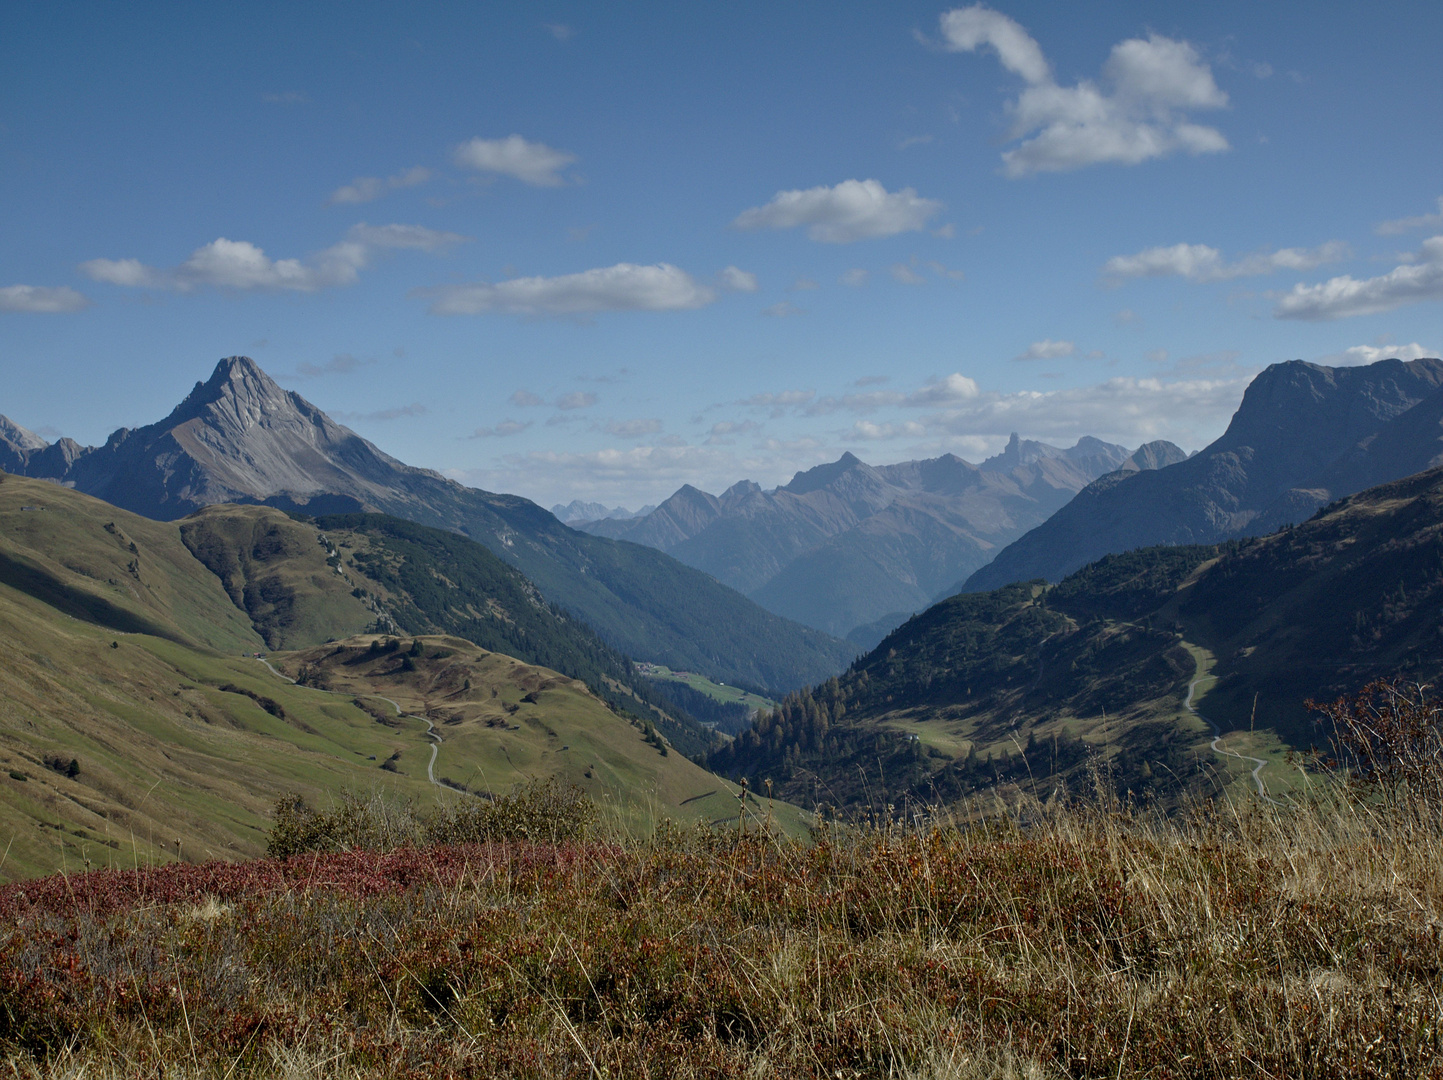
(1371, 354)
(532, 163)
(1344, 296)
(364, 189)
(1137, 113)
(803, 284)
(340, 364)
(623, 287)
(396, 413)
(784, 309)
(526, 399)
(723, 432)
(854, 403)
(41, 299)
(736, 280)
(1401, 225)
(955, 388)
(782, 400)
(501, 430)
(560, 31)
(1198, 262)
(633, 429)
(241, 265)
(855, 278)
(414, 237)
(1047, 349)
(906, 275)
(577, 399)
(852, 210)
(866, 430)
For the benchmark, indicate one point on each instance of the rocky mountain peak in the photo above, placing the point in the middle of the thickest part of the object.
(19, 437)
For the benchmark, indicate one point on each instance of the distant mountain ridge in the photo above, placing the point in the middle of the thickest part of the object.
(1303, 436)
(846, 544)
(577, 510)
(239, 437)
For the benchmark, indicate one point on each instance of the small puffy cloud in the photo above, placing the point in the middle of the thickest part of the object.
(128, 272)
(906, 275)
(1342, 297)
(967, 29)
(364, 189)
(1371, 354)
(501, 430)
(855, 278)
(1198, 262)
(943, 271)
(623, 287)
(577, 399)
(526, 399)
(1137, 112)
(243, 266)
(785, 309)
(633, 429)
(1047, 349)
(1402, 225)
(340, 364)
(724, 432)
(803, 284)
(41, 299)
(865, 430)
(852, 210)
(530, 162)
(952, 390)
(735, 280)
(560, 31)
(1127, 317)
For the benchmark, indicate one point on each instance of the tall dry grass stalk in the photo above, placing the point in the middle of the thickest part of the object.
(1057, 941)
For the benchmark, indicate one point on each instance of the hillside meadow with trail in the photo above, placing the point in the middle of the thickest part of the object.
(520, 937)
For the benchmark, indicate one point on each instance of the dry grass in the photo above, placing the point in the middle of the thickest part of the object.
(1054, 942)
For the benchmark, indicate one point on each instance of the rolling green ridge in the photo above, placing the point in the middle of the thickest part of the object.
(1028, 683)
(127, 656)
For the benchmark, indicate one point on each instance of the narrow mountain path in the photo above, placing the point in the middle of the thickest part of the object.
(430, 727)
(1216, 744)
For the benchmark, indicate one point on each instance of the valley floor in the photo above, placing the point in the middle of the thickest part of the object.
(1235, 940)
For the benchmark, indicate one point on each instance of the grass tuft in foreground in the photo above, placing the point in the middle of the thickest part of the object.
(1055, 942)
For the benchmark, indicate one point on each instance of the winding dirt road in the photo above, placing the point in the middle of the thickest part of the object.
(430, 727)
(1217, 748)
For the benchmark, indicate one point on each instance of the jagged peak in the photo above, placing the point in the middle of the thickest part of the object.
(20, 437)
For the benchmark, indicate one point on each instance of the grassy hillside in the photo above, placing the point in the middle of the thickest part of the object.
(502, 722)
(134, 730)
(1031, 685)
(283, 574)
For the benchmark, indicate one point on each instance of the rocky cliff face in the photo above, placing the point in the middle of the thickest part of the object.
(847, 543)
(1303, 436)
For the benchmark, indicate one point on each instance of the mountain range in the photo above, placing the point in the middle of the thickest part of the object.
(240, 438)
(1303, 435)
(1033, 684)
(848, 547)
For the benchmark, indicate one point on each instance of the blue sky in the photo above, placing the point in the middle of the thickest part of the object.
(600, 251)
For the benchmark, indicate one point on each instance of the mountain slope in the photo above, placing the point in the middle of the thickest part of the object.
(1098, 666)
(1281, 457)
(131, 719)
(240, 438)
(847, 543)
